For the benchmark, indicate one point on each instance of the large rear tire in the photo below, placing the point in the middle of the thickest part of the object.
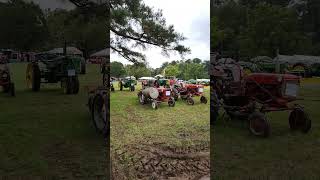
(33, 77)
(76, 85)
(99, 114)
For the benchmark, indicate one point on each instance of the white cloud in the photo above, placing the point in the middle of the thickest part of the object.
(189, 17)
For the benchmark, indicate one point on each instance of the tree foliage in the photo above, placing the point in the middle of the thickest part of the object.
(134, 24)
(25, 31)
(117, 69)
(249, 28)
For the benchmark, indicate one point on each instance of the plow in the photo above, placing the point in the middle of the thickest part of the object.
(250, 97)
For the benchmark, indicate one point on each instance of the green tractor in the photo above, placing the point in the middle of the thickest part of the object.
(50, 68)
(75, 54)
(128, 82)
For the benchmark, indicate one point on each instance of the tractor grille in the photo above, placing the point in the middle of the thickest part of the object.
(291, 89)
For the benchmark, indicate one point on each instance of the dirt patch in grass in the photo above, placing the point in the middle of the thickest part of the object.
(63, 160)
(158, 161)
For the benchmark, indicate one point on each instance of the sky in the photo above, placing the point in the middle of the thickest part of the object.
(52, 4)
(189, 17)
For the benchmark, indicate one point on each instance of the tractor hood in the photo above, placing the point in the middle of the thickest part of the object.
(270, 78)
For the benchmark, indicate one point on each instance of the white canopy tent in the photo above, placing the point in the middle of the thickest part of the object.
(147, 78)
(70, 50)
(102, 53)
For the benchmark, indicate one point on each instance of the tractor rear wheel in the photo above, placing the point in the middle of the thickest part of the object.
(68, 87)
(33, 77)
(120, 85)
(99, 114)
(190, 100)
(259, 125)
(76, 85)
(171, 102)
(299, 120)
(203, 100)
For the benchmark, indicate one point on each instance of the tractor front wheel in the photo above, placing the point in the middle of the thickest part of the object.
(171, 102)
(190, 100)
(203, 100)
(154, 105)
(259, 125)
(132, 88)
(71, 85)
(299, 120)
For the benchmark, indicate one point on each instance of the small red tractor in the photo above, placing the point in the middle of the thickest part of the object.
(188, 91)
(249, 97)
(155, 95)
(5, 78)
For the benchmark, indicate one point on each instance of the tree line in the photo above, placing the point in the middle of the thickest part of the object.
(249, 28)
(183, 69)
(26, 27)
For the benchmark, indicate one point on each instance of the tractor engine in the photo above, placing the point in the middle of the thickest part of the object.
(272, 88)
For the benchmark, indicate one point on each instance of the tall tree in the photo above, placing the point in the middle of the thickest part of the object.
(134, 24)
(25, 31)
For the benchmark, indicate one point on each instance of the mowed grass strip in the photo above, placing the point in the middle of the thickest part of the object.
(48, 132)
(283, 155)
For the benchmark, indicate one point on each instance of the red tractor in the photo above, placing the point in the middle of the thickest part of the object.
(155, 95)
(5, 78)
(188, 91)
(250, 97)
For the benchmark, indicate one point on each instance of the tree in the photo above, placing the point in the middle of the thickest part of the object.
(137, 25)
(172, 70)
(270, 28)
(73, 27)
(137, 70)
(27, 31)
(117, 69)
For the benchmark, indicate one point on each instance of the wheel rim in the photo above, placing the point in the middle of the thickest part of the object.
(29, 77)
(154, 105)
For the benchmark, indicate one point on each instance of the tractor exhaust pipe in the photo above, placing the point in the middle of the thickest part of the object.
(65, 48)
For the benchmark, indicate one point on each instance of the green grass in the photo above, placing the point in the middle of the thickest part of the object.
(285, 154)
(133, 124)
(48, 132)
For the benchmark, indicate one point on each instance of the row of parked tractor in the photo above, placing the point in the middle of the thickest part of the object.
(157, 91)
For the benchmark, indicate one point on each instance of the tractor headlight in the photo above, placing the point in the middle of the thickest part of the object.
(200, 90)
(279, 78)
(291, 89)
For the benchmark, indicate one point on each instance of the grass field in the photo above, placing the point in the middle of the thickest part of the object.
(162, 143)
(48, 133)
(284, 155)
